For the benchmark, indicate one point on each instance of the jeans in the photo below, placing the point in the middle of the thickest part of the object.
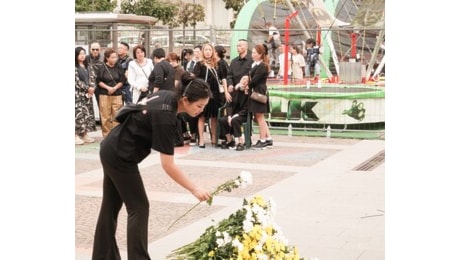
(127, 94)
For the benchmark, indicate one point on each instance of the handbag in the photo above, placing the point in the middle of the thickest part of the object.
(149, 90)
(258, 97)
(219, 82)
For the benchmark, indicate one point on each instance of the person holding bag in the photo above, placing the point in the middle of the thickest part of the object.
(139, 72)
(110, 79)
(258, 75)
(206, 70)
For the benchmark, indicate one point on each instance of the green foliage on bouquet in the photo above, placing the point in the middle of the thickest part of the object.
(250, 233)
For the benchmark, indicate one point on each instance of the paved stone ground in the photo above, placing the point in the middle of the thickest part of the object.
(209, 167)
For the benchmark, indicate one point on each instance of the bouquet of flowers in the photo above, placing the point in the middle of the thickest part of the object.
(248, 234)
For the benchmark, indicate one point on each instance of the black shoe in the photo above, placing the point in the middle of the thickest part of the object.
(269, 143)
(201, 146)
(240, 147)
(260, 145)
(228, 145)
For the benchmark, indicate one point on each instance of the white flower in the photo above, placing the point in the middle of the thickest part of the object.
(227, 237)
(220, 242)
(246, 178)
(262, 257)
(236, 243)
(247, 226)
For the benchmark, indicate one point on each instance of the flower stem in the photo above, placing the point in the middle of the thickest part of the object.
(177, 220)
(227, 186)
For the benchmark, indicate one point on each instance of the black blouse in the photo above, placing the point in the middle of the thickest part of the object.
(110, 76)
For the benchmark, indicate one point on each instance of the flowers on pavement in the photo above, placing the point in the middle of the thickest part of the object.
(250, 233)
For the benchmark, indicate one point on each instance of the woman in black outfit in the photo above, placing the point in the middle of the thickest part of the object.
(258, 82)
(153, 126)
(223, 68)
(207, 69)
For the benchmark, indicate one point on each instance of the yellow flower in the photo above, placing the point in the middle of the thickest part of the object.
(269, 230)
(259, 200)
(212, 253)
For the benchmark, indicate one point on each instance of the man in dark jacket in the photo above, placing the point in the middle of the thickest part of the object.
(123, 61)
(162, 76)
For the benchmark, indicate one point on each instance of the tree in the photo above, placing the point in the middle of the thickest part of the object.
(163, 11)
(189, 14)
(94, 5)
(236, 5)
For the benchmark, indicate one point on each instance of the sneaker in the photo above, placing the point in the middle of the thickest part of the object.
(87, 139)
(269, 143)
(260, 145)
(240, 147)
(78, 140)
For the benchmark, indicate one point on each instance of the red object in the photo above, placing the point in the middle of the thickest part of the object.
(354, 36)
(287, 23)
(334, 79)
(318, 37)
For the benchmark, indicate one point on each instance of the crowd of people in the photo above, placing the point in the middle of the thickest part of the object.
(166, 101)
(117, 79)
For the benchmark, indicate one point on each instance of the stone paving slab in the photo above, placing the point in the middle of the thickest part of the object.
(342, 213)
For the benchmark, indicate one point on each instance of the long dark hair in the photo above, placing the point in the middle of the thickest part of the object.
(193, 88)
(262, 49)
(77, 53)
(220, 50)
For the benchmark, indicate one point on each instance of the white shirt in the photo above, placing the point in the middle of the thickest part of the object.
(298, 63)
(255, 64)
(274, 32)
(138, 76)
(281, 60)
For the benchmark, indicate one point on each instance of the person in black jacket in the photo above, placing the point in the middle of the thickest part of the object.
(258, 83)
(151, 127)
(162, 76)
(236, 115)
(123, 61)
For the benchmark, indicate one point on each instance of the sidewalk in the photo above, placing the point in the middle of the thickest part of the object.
(324, 206)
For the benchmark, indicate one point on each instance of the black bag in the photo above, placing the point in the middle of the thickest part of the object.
(143, 95)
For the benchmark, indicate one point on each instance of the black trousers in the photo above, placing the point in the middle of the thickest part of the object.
(122, 184)
(235, 128)
(192, 123)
